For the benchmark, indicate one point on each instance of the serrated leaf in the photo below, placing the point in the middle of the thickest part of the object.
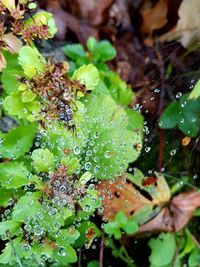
(13, 175)
(14, 106)
(9, 79)
(18, 141)
(8, 195)
(108, 144)
(118, 88)
(163, 250)
(8, 254)
(65, 254)
(31, 61)
(87, 75)
(28, 96)
(74, 51)
(43, 160)
(27, 206)
(10, 227)
(69, 236)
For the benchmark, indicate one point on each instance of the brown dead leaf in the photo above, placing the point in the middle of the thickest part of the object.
(64, 21)
(96, 15)
(175, 215)
(120, 195)
(188, 26)
(154, 17)
(13, 44)
(131, 197)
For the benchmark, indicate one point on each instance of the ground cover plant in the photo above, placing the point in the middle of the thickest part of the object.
(77, 187)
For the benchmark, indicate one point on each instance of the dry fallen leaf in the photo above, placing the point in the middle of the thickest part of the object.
(187, 30)
(131, 198)
(154, 17)
(120, 196)
(13, 44)
(64, 21)
(128, 197)
(175, 215)
(96, 15)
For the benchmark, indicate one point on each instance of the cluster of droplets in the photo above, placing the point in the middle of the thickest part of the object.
(65, 190)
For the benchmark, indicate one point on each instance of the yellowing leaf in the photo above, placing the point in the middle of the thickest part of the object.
(87, 75)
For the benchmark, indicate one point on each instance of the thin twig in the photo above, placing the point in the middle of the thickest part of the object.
(101, 252)
(79, 257)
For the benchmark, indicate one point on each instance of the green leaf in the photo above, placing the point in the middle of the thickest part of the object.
(28, 96)
(18, 141)
(135, 120)
(121, 219)
(9, 79)
(93, 264)
(104, 51)
(14, 106)
(10, 227)
(69, 236)
(131, 227)
(108, 145)
(74, 51)
(91, 44)
(189, 123)
(71, 163)
(31, 61)
(170, 117)
(189, 245)
(43, 160)
(65, 254)
(43, 18)
(27, 206)
(118, 88)
(111, 228)
(9, 195)
(83, 229)
(88, 75)
(195, 91)
(13, 175)
(194, 258)
(8, 254)
(163, 250)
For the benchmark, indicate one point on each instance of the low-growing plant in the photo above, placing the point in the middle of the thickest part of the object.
(72, 128)
(70, 134)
